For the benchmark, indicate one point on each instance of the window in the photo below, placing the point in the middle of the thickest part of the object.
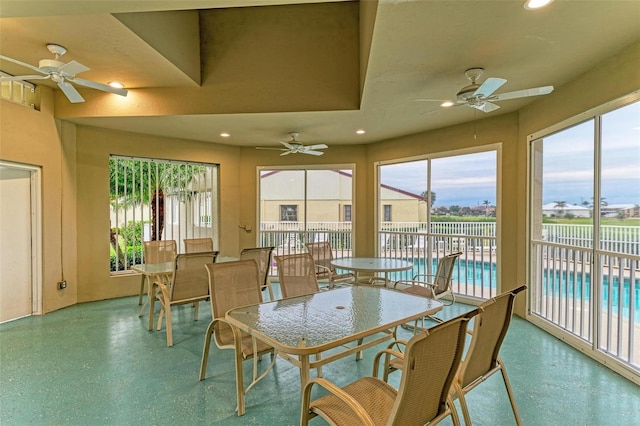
(159, 200)
(289, 213)
(435, 206)
(584, 233)
(347, 213)
(304, 205)
(387, 213)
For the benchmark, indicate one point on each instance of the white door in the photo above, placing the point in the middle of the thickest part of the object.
(16, 282)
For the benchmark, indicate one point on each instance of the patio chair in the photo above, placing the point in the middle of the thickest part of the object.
(198, 245)
(482, 359)
(262, 256)
(189, 284)
(233, 284)
(433, 286)
(430, 362)
(159, 251)
(322, 256)
(297, 275)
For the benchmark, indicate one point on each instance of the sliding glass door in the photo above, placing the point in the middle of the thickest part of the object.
(585, 232)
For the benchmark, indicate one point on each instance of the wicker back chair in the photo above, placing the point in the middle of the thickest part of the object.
(322, 254)
(263, 257)
(232, 284)
(482, 359)
(423, 396)
(297, 275)
(158, 251)
(198, 245)
(189, 284)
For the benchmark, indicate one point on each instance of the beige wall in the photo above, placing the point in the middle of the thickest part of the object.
(75, 178)
(32, 137)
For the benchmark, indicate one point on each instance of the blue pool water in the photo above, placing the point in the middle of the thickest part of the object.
(554, 284)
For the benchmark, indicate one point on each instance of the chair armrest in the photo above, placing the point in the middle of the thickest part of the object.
(417, 277)
(348, 400)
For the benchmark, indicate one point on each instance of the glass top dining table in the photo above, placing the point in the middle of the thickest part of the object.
(305, 326)
(382, 265)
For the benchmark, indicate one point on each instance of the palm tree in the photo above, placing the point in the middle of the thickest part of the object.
(560, 205)
(486, 207)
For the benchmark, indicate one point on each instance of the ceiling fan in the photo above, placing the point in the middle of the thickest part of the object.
(294, 147)
(482, 96)
(62, 73)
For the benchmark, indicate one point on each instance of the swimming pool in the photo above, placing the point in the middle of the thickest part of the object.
(553, 283)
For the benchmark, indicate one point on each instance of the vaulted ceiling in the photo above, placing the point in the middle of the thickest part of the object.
(259, 69)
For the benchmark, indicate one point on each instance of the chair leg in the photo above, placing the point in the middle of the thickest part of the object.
(507, 384)
(463, 403)
(205, 351)
(454, 413)
(168, 326)
(142, 280)
(159, 324)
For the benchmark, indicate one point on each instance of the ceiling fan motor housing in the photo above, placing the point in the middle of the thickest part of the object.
(49, 65)
(466, 92)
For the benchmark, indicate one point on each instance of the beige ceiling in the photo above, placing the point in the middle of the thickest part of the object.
(195, 69)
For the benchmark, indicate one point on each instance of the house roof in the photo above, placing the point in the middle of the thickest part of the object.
(259, 69)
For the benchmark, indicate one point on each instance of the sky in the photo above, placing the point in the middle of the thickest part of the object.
(568, 158)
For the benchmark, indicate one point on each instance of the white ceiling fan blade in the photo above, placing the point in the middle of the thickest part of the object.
(70, 92)
(24, 64)
(24, 77)
(285, 153)
(99, 86)
(287, 144)
(72, 68)
(489, 86)
(312, 152)
(487, 107)
(318, 146)
(544, 90)
(274, 149)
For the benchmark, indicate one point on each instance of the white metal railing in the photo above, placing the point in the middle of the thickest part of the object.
(592, 294)
(474, 274)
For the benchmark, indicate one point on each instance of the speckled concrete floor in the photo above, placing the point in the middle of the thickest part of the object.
(96, 364)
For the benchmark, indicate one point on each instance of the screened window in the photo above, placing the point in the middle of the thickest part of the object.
(347, 213)
(585, 230)
(300, 206)
(154, 199)
(387, 213)
(289, 213)
(435, 206)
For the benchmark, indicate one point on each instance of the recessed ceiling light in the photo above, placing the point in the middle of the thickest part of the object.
(116, 85)
(225, 135)
(446, 104)
(536, 4)
(360, 132)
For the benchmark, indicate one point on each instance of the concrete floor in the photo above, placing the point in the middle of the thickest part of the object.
(96, 364)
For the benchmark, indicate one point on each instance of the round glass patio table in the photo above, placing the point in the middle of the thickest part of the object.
(382, 265)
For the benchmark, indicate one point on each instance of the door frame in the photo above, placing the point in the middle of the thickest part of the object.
(36, 231)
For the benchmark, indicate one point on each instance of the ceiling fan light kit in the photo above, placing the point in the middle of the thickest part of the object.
(61, 73)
